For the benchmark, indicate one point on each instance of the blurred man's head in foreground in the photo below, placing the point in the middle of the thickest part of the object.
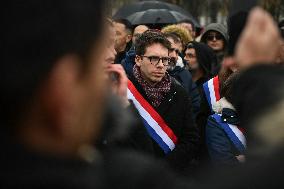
(51, 75)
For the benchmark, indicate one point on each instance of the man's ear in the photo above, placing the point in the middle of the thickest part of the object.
(59, 92)
(128, 38)
(138, 60)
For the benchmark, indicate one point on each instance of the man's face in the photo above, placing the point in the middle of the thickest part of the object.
(109, 46)
(190, 57)
(173, 53)
(122, 37)
(215, 41)
(189, 27)
(150, 72)
(88, 102)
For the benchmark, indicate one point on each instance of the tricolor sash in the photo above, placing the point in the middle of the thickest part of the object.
(154, 123)
(212, 92)
(233, 132)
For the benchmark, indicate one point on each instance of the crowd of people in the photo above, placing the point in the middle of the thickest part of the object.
(91, 102)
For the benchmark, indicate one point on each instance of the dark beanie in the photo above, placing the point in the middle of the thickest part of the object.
(236, 24)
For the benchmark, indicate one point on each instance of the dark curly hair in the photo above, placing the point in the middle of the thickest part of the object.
(149, 38)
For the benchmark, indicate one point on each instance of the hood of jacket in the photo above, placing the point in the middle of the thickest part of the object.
(215, 27)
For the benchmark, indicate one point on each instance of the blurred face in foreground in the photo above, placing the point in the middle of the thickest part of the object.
(110, 51)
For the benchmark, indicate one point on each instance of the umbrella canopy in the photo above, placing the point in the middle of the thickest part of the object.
(156, 16)
(127, 10)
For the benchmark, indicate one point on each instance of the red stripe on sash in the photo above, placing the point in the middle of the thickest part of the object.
(241, 129)
(216, 87)
(152, 112)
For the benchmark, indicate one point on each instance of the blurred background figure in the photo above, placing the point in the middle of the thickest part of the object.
(182, 75)
(200, 60)
(188, 24)
(138, 31)
(184, 35)
(129, 60)
(123, 29)
(215, 36)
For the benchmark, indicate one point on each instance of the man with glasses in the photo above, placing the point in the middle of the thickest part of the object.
(182, 75)
(163, 104)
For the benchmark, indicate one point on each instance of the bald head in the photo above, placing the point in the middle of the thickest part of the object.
(138, 31)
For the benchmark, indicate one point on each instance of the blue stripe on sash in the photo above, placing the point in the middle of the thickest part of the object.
(156, 137)
(207, 94)
(238, 144)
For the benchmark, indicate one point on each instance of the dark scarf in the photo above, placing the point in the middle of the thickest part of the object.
(156, 92)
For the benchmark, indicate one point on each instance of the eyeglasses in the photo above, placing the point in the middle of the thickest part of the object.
(216, 36)
(154, 60)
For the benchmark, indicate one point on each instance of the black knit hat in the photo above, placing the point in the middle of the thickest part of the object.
(236, 24)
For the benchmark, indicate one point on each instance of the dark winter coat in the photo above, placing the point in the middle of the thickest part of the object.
(21, 168)
(119, 125)
(129, 61)
(221, 149)
(119, 57)
(184, 77)
(175, 109)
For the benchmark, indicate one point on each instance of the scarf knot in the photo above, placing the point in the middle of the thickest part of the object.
(157, 92)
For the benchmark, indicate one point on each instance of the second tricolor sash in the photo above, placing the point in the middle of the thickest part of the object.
(212, 92)
(154, 123)
(234, 133)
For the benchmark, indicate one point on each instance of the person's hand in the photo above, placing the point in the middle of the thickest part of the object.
(118, 81)
(260, 40)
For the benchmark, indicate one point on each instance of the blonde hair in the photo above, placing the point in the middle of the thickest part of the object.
(181, 31)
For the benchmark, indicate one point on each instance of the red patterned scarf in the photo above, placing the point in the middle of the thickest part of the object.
(157, 92)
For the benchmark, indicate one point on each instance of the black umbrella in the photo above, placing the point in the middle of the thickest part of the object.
(130, 9)
(156, 16)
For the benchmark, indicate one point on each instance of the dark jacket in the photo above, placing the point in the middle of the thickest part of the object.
(129, 61)
(21, 168)
(119, 125)
(221, 149)
(175, 109)
(119, 57)
(184, 77)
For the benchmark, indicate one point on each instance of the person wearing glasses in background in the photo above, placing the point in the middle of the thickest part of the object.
(182, 75)
(216, 37)
(163, 104)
